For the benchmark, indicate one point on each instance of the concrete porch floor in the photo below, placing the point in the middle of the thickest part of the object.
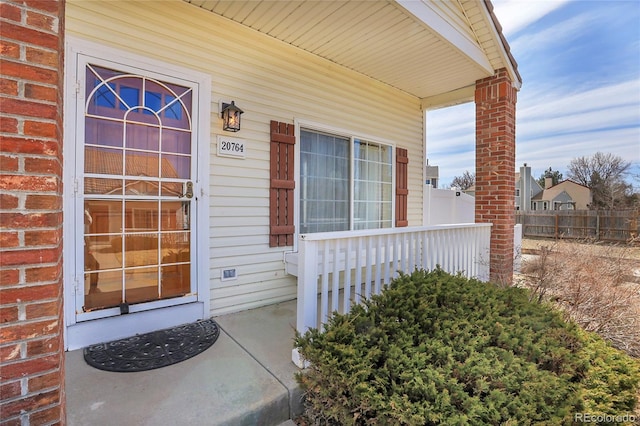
(245, 378)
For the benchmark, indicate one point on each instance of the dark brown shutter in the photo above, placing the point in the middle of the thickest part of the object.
(281, 226)
(402, 187)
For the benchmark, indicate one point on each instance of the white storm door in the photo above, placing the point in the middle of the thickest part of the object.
(135, 169)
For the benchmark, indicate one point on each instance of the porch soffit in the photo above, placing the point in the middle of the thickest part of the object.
(434, 50)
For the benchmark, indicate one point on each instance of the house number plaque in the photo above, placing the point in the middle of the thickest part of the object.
(231, 147)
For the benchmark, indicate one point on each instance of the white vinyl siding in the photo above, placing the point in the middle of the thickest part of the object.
(269, 80)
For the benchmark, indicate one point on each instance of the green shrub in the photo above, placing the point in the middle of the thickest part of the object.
(612, 378)
(434, 348)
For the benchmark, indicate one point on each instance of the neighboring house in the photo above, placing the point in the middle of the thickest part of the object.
(527, 187)
(530, 196)
(431, 175)
(566, 195)
(113, 147)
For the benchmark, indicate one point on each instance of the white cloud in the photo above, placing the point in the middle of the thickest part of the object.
(515, 15)
(552, 128)
(557, 151)
(569, 125)
(527, 44)
(549, 101)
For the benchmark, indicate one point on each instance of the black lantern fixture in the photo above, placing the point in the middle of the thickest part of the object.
(230, 117)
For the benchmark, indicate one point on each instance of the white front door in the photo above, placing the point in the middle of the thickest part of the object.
(135, 202)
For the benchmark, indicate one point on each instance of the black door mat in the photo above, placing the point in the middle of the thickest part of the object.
(153, 350)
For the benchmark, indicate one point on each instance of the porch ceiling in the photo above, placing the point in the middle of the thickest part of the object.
(432, 50)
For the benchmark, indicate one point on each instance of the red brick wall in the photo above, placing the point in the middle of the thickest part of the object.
(495, 99)
(31, 314)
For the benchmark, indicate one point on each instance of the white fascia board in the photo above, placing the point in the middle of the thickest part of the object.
(423, 11)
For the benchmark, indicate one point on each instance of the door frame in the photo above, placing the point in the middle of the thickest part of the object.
(79, 334)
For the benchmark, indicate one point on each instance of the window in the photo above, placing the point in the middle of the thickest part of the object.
(372, 185)
(324, 182)
(118, 96)
(345, 183)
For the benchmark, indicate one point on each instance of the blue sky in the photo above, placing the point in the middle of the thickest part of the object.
(580, 65)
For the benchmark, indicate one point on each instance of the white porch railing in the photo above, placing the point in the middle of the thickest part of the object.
(337, 269)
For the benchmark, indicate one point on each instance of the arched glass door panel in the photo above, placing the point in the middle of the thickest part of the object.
(137, 190)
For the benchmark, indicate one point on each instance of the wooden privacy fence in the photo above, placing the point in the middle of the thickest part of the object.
(604, 225)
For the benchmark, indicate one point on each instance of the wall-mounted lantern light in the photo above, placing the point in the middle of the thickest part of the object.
(230, 114)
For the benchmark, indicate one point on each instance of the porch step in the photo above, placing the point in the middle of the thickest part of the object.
(245, 378)
(267, 335)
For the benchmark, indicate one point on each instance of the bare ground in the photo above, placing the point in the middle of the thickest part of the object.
(630, 252)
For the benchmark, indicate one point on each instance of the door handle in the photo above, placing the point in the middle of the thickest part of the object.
(188, 189)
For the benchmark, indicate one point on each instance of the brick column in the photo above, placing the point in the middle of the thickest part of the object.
(31, 312)
(495, 99)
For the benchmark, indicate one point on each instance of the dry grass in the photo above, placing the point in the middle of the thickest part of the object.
(593, 284)
(597, 285)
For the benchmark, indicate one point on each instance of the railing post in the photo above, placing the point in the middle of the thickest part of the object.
(517, 247)
(368, 266)
(379, 266)
(307, 309)
(484, 253)
(335, 279)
